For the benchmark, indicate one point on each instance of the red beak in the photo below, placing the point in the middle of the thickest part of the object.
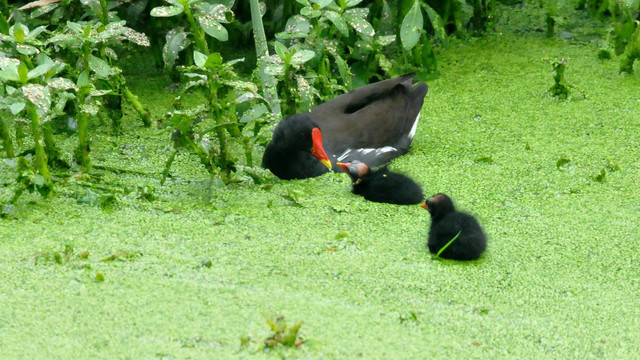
(317, 150)
(425, 206)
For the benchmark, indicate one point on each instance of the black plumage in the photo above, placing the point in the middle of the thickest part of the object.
(374, 124)
(446, 223)
(382, 185)
(296, 151)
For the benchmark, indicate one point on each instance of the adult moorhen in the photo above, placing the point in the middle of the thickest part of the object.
(295, 150)
(382, 185)
(447, 223)
(374, 124)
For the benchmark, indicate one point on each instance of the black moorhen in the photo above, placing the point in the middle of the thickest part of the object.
(374, 124)
(382, 185)
(295, 151)
(446, 223)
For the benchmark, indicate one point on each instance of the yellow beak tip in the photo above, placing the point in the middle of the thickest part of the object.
(326, 163)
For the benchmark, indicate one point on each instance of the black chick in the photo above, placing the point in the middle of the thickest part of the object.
(382, 185)
(296, 151)
(446, 223)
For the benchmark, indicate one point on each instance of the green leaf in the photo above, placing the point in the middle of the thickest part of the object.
(38, 180)
(76, 28)
(176, 41)
(343, 69)
(10, 73)
(484, 159)
(322, 3)
(94, 5)
(199, 58)
(19, 31)
(23, 71)
(385, 40)
(302, 56)
(305, 94)
(230, 63)
(17, 107)
(44, 10)
(248, 96)
(213, 28)
(310, 12)
(297, 27)
(94, 92)
(219, 12)
(40, 70)
(447, 244)
(337, 20)
(436, 22)
(601, 177)
(274, 69)
(357, 19)
(91, 109)
(291, 335)
(241, 85)
(99, 66)
(411, 27)
(562, 161)
(166, 11)
(281, 50)
(39, 96)
(35, 32)
(116, 30)
(4, 25)
(214, 61)
(253, 113)
(352, 3)
(26, 49)
(61, 102)
(83, 79)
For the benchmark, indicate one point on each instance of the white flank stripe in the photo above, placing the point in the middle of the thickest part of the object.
(365, 151)
(412, 133)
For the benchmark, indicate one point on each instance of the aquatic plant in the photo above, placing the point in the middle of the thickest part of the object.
(224, 92)
(631, 52)
(560, 88)
(322, 36)
(283, 334)
(87, 44)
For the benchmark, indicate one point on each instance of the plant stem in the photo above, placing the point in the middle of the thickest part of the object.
(40, 160)
(290, 108)
(167, 166)
(248, 151)
(198, 33)
(104, 17)
(222, 139)
(27, 61)
(214, 105)
(6, 138)
(551, 23)
(82, 151)
(17, 193)
(135, 102)
(449, 243)
(49, 144)
(268, 82)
